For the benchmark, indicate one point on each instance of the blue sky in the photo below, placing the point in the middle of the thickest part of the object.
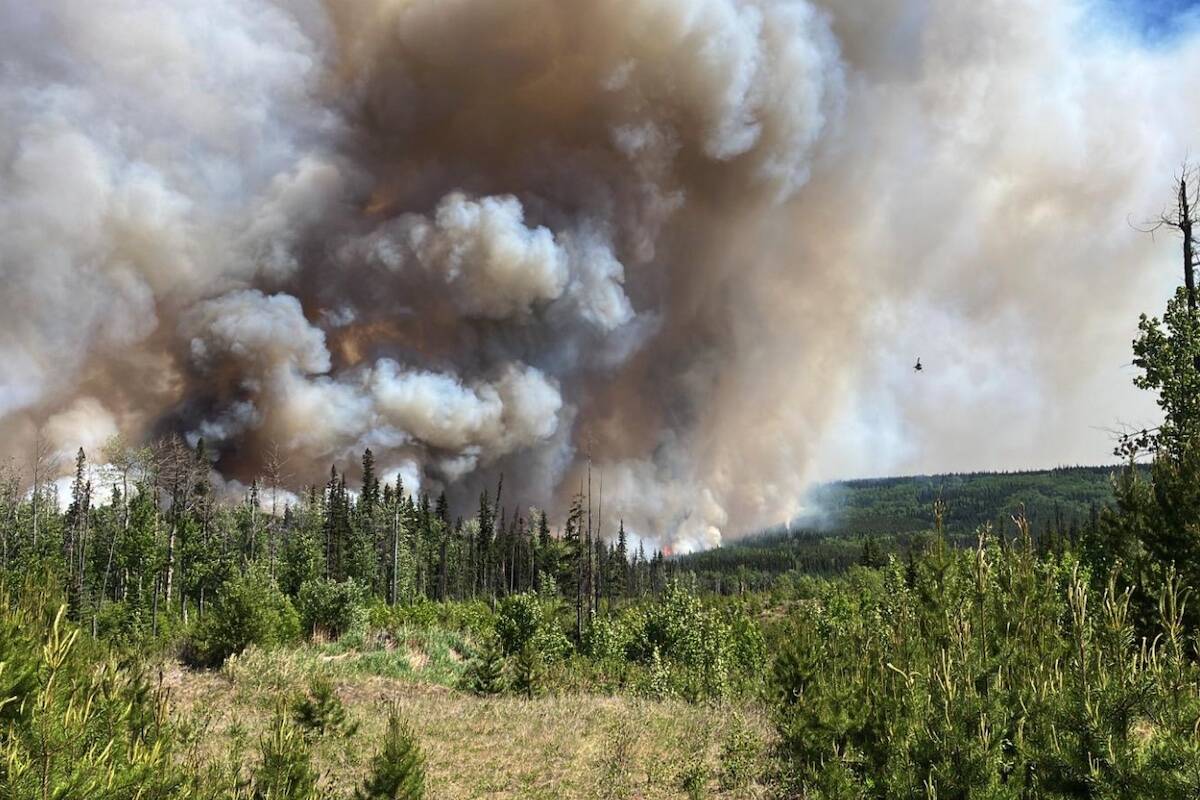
(1155, 20)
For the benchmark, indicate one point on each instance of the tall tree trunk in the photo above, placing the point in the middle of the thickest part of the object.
(1189, 254)
(395, 550)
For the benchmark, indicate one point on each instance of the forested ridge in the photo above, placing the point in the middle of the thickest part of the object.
(872, 518)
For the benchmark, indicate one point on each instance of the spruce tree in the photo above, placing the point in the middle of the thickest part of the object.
(528, 669)
(320, 711)
(369, 499)
(398, 770)
(485, 674)
(286, 769)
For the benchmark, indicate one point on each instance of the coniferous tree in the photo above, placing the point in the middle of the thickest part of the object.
(398, 769)
(527, 672)
(75, 532)
(285, 770)
(485, 674)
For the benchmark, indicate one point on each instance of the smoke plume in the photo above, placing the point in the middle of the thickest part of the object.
(698, 242)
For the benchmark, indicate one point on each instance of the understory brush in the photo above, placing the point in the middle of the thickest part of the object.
(988, 672)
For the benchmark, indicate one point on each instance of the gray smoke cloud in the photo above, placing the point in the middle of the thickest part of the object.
(696, 241)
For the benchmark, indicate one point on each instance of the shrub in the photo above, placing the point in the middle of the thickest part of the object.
(472, 617)
(695, 650)
(398, 770)
(995, 674)
(528, 672)
(693, 777)
(740, 753)
(286, 771)
(531, 620)
(609, 638)
(251, 610)
(332, 608)
(485, 673)
(320, 711)
(75, 726)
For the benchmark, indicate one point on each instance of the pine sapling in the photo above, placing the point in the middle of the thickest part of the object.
(398, 770)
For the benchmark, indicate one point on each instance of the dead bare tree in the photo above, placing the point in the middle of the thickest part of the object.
(45, 463)
(1182, 218)
(177, 472)
(274, 469)
(125, 460)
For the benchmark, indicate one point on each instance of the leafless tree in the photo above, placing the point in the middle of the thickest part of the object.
(1182, 218)
(276, 477)
(177, 473)
(45, 464)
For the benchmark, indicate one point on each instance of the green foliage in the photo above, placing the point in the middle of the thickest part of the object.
(473, 617)
(693, 777)
(398, 770)
(250, 610)
(320, 711)
(332, 608)
(530, 620)
(1167, 352)
(609, 638)
(996, 674)
(484, 674)
(703, 650)
(1154, 526)
(528, 672)
(285, 771)
(72, 726)
(740, 756)
(881, 516)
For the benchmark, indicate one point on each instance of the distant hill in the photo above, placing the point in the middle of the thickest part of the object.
(891, 511)
(905, 505)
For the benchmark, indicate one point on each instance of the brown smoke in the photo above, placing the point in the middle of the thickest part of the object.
(699, 241)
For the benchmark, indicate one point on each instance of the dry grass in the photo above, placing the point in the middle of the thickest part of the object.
(569, 746)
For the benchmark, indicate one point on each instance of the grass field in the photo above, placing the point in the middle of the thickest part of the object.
(574, 745)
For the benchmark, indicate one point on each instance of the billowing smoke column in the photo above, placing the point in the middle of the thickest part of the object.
(685, 239)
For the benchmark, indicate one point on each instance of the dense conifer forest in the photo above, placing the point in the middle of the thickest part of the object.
(864, 521)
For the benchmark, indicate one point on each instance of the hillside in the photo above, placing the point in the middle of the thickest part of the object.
(891, 511)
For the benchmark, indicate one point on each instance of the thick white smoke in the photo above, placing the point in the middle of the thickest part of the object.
(699, 241)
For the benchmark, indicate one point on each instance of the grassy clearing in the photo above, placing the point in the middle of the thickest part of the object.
(559, 746)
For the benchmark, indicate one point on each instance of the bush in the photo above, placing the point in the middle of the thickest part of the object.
(472, 617)
(994, 674)
(286, 771)
(609, 638)
(332, 608)
(320, 711)
(485, 673)
(75, 724)
(528, 672)
(531, 620)
(692, 650)
(251, 610)
(398, 770)
(740, 753)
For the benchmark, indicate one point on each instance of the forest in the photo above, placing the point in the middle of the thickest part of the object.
(989, 635)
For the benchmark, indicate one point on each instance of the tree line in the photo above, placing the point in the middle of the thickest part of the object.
(164, 543)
